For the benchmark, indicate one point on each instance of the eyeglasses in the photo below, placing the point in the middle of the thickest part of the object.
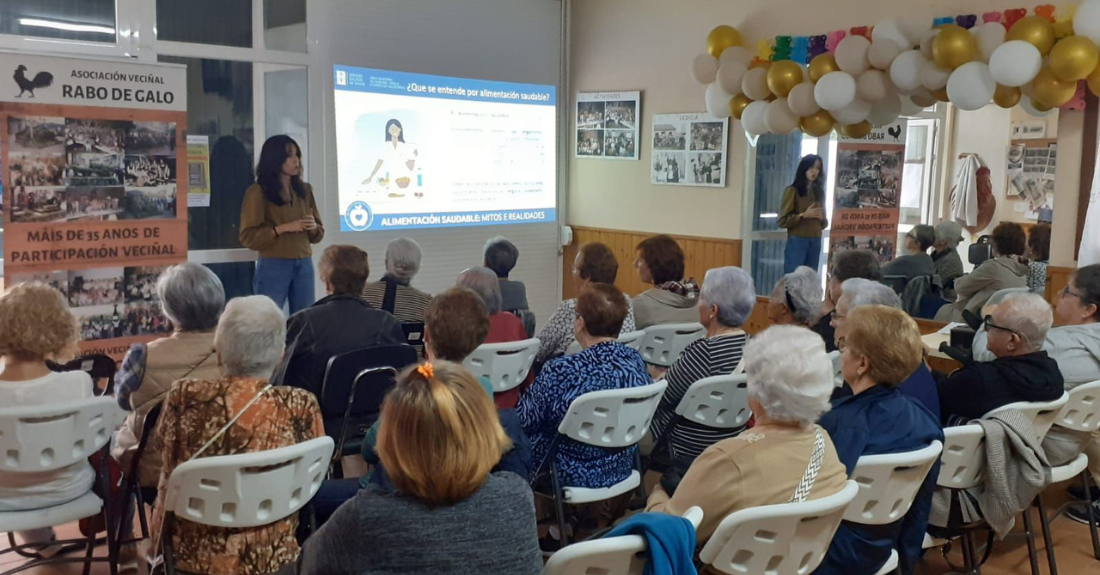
(1066, 292)
(988, 323)
(833, 315)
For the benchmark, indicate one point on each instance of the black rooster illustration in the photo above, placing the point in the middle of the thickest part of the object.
(895, 132)
(41, 80)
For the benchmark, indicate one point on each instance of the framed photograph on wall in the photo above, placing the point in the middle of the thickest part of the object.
(607, 125)
(689, 150)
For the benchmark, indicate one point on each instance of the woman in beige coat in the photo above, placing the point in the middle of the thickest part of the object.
(1007, 269)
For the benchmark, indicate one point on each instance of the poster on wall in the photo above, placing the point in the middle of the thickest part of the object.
(607, 125)
(868, 188)
(1032, 166)
(92, 153)
(198, 171)
(689, 150)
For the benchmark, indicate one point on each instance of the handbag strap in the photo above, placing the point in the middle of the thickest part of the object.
(808, 478)
(389, 300)
(230, 423)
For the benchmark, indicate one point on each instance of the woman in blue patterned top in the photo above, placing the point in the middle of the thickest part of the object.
(604, 364)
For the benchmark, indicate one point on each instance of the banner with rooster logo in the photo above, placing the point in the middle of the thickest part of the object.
(89, 156)
(868, 191)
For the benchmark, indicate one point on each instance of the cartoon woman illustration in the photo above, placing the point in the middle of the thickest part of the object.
(400, 163)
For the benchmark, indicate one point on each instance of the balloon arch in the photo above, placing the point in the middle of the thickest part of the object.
(870, 77)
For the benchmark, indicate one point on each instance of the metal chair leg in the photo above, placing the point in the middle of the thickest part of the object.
(1092, 518)
(559, 505)
(1044, 522)
(88, 554)
(1032, 555)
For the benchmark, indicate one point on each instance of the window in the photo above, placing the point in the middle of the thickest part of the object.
(774, 164)
(285, 25)
(79, 20)
(220, 22)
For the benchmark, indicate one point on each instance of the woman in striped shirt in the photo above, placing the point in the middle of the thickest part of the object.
(725, 303)
(393, 293)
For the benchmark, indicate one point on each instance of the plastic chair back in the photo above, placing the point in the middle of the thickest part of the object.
(98, 366)
(527, 318)
(631, 339)
(506, 365)
(784, 539)
(1042, 414)
(340, 378)
(663, 344)
(612, 418)
(623, 555)
(721, 402)
(888, 484)
(41, 438)
(962, 463)
(1082, 411)
(896, 283)
(414, 333)
(248, 489)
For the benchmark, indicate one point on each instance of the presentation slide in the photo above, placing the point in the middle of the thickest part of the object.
(417, 151)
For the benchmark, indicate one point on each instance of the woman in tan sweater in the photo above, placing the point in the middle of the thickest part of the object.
(802, 214)
(279, 219)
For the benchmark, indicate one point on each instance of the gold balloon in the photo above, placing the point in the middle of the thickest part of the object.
(817, 125)
(953, 47)
(1094, 81)
(738, 104)
(1050, 90)
(1041, 107)
(1074, 58)
(783, 76)
(1006, 97)
(821, 65)
(1034, 30)
(857, 131)
(721, 38)
(923, 101)
(940, 95)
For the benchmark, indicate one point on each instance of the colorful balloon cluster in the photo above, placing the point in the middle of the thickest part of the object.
(872, 76)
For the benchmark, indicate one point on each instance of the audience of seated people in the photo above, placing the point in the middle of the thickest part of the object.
(338, 323)
(915, 262)
(1007, 269)
(672, 299)
(1022, 370)
(1038, 256)
(238, 413)
(789, 382)
(504, 327)
(448, 514)
(725, 302)
(501, 257)
(394, 292)
(595, 264)
(945, 256)
(37, 327)
(846, 265)
(796, 298)
(882, 348)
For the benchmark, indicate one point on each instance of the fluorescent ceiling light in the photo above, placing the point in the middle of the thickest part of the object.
(769, 215)
(69, 27)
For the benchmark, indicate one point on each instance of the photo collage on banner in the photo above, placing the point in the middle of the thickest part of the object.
(868, 189)
(91, 188)
(1032, 166)
(689, 150)
(607, 125)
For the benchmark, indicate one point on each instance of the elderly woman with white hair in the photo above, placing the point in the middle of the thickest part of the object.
(504, 327)
(240, 412)
(796, 298)
(789, 382)
(725, 303)
(945, 256)
(393, 293)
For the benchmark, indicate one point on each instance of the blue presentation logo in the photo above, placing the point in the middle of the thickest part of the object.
(359, 216)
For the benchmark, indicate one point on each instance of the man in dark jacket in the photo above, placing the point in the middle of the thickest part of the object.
(338, 323)
(1022, 371)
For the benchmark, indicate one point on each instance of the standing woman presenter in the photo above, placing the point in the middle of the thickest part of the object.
(802, 214)
(279, 219)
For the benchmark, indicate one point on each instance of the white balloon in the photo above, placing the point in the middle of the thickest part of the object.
(926, 43)
(891, 29)
(703, 68)
(990, 36)
(853, 113)
(885, 111)
(905, 71)
(933, 77)
(908, 108)
(718, 101)
(735, 54)
(755, 84)
(851, 55)
(1029, 107)
(1015, 63)
(779, 118)
(801, 100)
(730, 75)
(915, 28)
(873, 85)
(971, 86)
(754, 119)
(1087, 20)
(835, 91)
(882, 53)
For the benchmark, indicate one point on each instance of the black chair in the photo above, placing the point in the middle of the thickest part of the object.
(896, 283)
(132, 491)
(355, 384)
(528, 318)
(414, 334)
(980, 251)
(98, 366)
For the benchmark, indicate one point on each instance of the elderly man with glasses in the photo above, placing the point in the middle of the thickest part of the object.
(1022, 370)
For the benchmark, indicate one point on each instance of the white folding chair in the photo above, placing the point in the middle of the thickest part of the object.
(623, 555)
(784, 539)
(1041, 413)
(631, 339)
(962, 467)
(244, 490)
(720, 401)
(838, 377)
(663, 344)
(887, 486)
(612, 419)
(44, 438)
(506, 365)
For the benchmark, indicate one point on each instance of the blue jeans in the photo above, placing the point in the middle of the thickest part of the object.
(281, 278)
(801, 252)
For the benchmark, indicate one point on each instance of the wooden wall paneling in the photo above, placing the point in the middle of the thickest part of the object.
(1057, 280)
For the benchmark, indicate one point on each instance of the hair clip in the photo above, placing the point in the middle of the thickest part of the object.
(425, 369)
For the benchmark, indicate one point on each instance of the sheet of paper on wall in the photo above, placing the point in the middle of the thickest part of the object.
(198, 171)
(1036, 129)
(689, 150)
(607, 125)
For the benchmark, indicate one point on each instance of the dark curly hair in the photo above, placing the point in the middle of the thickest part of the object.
(1009, 239)
(664, 258)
